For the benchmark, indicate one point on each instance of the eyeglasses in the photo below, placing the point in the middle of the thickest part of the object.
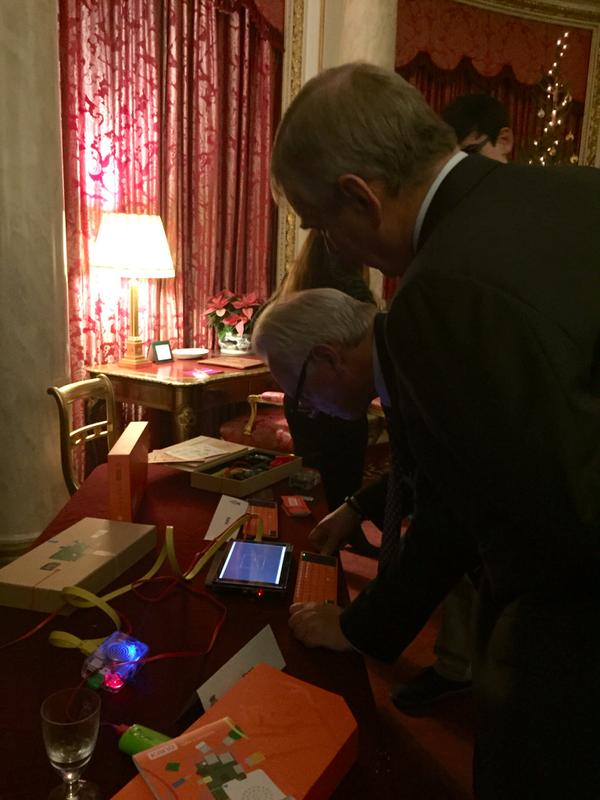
(296, 404)
(476, 147)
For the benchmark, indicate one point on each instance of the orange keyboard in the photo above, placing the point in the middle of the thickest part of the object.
(316, 579)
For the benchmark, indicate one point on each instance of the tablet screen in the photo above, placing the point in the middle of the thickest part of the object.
(254, 564)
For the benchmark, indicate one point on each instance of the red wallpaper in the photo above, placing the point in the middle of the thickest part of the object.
(448, 30)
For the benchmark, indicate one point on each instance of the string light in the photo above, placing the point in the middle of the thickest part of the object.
(557, 98)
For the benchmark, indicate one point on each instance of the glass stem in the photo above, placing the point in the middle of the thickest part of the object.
(72, 781)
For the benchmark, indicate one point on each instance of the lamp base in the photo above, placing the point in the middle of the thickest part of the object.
(134, 354)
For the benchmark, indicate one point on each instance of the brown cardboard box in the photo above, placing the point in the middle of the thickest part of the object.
(202, 478)
(128, 471)
(91, 554)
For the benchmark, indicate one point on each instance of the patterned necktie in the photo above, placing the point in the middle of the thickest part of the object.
(396, 506)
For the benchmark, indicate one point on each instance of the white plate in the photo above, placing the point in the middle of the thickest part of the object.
(190, 352)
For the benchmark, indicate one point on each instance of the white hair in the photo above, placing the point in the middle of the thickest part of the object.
(290, 328)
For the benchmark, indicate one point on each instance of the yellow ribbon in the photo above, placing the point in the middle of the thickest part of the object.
(81, 598)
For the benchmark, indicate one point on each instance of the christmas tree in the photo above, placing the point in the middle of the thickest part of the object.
(554, 143)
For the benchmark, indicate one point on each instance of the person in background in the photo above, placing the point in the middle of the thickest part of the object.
(494, 345)
(336, 447)
(482, 126)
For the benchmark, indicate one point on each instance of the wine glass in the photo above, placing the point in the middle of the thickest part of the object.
(70, 720)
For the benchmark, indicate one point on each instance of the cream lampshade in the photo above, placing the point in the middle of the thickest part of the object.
(136, 246)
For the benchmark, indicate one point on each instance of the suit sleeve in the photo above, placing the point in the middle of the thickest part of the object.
(387, 615)
(503, 421)
(371, 500)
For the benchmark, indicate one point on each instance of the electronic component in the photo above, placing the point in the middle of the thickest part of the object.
(135, 738)
(316, 580)
(116, 660)
(294, 505)
(265, 511)
(257, 567)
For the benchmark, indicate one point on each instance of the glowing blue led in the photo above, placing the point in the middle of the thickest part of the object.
(118, 658)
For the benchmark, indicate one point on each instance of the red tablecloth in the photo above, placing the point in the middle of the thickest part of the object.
(163, 690)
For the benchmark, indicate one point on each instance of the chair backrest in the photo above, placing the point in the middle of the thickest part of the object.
(98, 388)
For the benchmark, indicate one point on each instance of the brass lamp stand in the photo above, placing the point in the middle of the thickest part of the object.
(134, 352)
(135, 245)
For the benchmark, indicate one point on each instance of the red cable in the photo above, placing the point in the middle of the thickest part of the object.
(173, 583)
(33, 630)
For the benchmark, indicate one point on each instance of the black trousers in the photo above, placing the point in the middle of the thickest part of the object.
(336, 447)
(536, 681)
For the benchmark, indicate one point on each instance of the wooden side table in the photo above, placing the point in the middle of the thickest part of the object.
(194, 399)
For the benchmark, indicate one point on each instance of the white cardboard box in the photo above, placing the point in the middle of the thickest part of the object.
(91, 554)
(202, 477)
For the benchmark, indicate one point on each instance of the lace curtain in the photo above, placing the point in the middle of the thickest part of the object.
(168, 107)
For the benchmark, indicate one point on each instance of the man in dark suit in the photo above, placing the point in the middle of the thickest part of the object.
(481, 125)
(494, 342)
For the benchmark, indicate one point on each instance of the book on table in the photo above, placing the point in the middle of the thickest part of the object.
(197, 451)
(234, 362)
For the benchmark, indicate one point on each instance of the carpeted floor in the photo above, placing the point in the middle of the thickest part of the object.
(439, 740)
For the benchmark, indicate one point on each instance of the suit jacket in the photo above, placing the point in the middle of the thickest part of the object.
(494, 343)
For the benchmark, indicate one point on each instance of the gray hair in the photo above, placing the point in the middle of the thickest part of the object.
(289, 328)
(356, 119)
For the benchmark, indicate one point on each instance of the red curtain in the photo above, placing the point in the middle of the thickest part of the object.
(448, 30)
(440, 86)
(169, 107)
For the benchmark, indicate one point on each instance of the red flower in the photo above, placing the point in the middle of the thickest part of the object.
(250, 299)
(229, 312)
(219, 304)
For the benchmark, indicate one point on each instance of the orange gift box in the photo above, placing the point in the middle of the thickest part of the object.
(298, 740)
(128, 471)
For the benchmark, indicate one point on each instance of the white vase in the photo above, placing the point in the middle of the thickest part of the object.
(235, 344)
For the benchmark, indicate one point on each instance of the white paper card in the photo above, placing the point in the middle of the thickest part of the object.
(256, 784)
(199, 450)
(262, 648)
(228, 510)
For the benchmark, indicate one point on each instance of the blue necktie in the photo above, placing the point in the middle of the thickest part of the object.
(396, 505)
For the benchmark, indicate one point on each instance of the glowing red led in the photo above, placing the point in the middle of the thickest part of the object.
(113, 681)
(260, 592)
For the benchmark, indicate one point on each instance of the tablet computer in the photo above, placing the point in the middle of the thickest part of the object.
(251, 566)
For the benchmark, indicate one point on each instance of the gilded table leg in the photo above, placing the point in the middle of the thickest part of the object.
(185, 423)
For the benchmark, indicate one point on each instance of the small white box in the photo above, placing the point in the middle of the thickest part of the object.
(90, 554)
(202, 477)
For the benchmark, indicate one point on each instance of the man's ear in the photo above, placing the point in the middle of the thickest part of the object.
(359, 194)
(505, 141)
(327, 354)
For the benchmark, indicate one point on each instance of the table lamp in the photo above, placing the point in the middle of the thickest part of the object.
(136, 246)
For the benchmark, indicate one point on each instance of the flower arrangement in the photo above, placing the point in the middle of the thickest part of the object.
(231, 314)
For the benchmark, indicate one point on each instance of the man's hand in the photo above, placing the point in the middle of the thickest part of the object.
(335, 530)
(318, 625)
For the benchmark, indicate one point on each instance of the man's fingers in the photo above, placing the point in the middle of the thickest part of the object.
(302, 621)
(295, 607)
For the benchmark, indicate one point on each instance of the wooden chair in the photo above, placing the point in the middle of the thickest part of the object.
(267, 429)
(94, 389)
